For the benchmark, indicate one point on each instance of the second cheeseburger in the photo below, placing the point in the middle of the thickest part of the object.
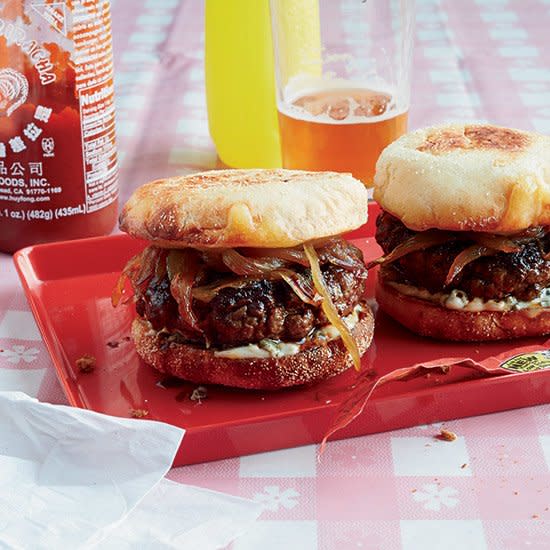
(465, 232)
(246, 281)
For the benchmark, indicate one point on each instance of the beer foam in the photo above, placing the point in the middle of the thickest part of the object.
(300, 113)
(304, 85)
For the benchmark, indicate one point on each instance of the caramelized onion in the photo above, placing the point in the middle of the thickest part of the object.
(183, 266)
(242, 265)
(147, 267)
(213, 258)
(270, 264)
(299, 283)
(419, 241)
(336, 252)
(495, 242)
(118, 292)
(139, 270)
(272, 268)
(302, 287)
(345, 263)
(257, 262)
(329, 308)
(465, 257)
(160, 269)
(206, 293)
(292, 255)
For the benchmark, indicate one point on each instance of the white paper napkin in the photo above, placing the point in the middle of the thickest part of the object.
(70, 477)
(192, 518)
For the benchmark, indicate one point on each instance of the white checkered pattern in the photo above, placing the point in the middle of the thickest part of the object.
(489, 489)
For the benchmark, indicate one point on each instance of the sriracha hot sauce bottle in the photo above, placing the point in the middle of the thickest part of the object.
(58, 163)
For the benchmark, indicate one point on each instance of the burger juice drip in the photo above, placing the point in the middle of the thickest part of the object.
(58, 163)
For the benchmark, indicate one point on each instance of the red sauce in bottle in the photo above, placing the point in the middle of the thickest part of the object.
(58, 164)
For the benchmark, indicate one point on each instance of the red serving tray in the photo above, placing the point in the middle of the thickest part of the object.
(68, 286)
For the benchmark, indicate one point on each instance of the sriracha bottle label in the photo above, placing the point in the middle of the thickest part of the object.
(58, 162)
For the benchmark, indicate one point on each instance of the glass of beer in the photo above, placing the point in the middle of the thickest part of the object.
(343, 81)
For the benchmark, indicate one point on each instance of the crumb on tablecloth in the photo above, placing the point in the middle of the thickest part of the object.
(86, 363)
(446, 435)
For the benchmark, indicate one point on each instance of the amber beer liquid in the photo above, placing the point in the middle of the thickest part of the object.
(342, 130)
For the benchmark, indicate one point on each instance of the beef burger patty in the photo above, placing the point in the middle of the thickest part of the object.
(257, 308)
(521, 274)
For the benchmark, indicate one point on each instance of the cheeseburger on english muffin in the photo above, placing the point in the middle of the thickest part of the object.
(247, 281)
(465, 231)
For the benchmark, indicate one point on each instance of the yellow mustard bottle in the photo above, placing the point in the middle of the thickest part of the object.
(240, 79)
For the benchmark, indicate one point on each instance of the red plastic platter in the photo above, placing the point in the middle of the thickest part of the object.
(68, 286)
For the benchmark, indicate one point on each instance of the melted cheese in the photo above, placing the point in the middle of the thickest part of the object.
(458, 299)
(272, 348)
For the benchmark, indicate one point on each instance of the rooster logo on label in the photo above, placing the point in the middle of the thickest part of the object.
(14, 89)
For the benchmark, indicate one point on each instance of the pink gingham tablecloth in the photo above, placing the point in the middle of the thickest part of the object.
(489, 489)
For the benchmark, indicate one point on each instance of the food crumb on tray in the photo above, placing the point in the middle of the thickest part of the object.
(198, 394)
(139, 413)
(86, 363)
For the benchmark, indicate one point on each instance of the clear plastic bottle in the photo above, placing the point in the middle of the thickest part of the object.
(58, 163)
